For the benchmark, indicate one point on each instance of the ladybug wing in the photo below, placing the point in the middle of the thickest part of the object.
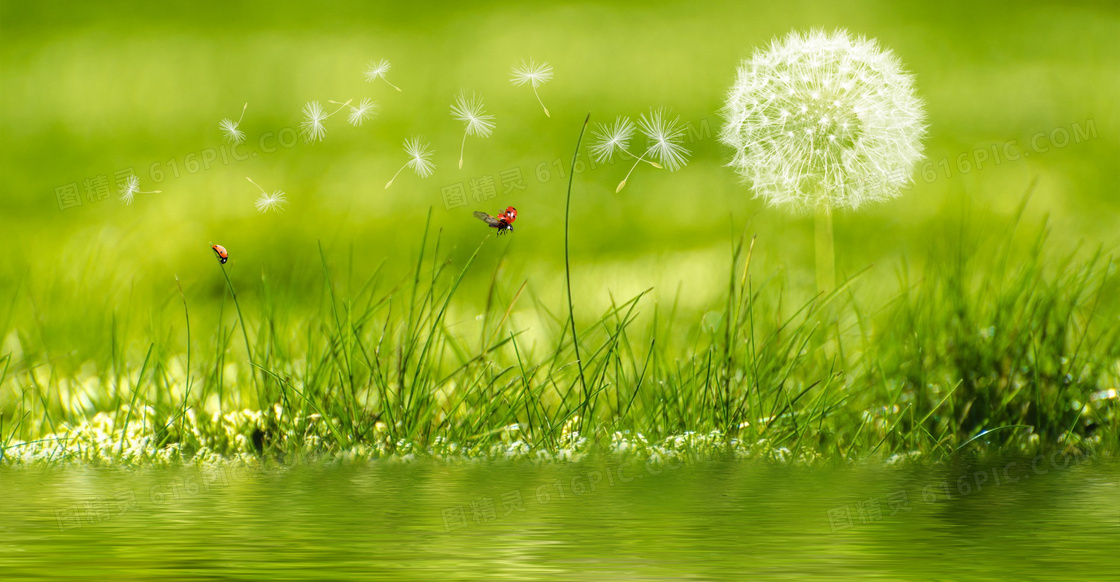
(489, 220)
(511, 214)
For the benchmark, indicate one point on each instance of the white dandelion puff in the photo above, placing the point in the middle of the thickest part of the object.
(230, 129)
(469, 110)
(274, 202)
(377, 69)
(366, 109)
(821, 121)
(130, 188)
(419, 158)
(664, 136)
(824, 119)
(535, 74)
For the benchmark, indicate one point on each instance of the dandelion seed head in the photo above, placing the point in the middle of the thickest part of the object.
(824, 118)
(532, 72)
(665, 136)
(230, 130)
(468, 108)
(420, 154)
(366, 109)
(312, 126)
(377, 69)
(610, 139)
(274, 202)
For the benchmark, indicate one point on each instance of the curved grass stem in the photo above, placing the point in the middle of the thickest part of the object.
(568, 270)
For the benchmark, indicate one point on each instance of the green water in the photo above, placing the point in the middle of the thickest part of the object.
(594, 520)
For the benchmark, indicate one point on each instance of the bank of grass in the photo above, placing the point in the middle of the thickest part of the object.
(990, 341)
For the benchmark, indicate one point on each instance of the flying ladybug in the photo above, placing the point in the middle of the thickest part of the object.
(503, 222)
(219, 250)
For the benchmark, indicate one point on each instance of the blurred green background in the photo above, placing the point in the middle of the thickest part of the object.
(92, 89)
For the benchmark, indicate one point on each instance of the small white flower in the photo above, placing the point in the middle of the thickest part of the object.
(312, 127)
(534, 74)
(469, 110)
(275, 202)
(130, 188)
(367, 109)
(377, 69)
(230, 129)
(420, 158)
(666, 137)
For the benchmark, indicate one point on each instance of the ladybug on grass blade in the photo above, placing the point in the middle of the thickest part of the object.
(503, 222)
(219, 250)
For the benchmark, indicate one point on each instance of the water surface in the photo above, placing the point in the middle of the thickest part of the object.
(1017, 518)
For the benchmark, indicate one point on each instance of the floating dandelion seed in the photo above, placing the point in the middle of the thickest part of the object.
(468, 109)
(534, 74)
(613, 138)
(664, 136)
(420, 158)
(274, 202)
(367, 109)
(377, 69)
(230, 130)
(130, 188)
(312, 127)
(821, 121)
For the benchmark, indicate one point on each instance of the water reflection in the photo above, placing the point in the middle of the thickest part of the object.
(1003, 519)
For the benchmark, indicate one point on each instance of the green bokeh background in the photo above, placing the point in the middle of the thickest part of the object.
(90, 89)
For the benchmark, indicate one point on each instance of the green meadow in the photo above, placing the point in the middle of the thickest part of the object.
(979, 310)
(656, 382)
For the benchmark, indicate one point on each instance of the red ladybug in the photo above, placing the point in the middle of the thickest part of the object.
(219, 250)
(503, 222)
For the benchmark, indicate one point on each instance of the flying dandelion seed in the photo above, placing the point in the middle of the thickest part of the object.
(665, 137)
(230, 129)
(420, 158)
(469, 110)
(312, 126)
(610, 139)
(130, 188)
(377, 69)
(366, 109)
(274, 202)
(820, 121)
(535, 74)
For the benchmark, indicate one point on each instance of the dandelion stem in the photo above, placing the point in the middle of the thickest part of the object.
(825, 253)
(256, 184)
(390, 183)
(390, 84)
(650, 162)
(546, 113)
(461, 148)
(340, 106)
(622, 184)
(242, 114)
